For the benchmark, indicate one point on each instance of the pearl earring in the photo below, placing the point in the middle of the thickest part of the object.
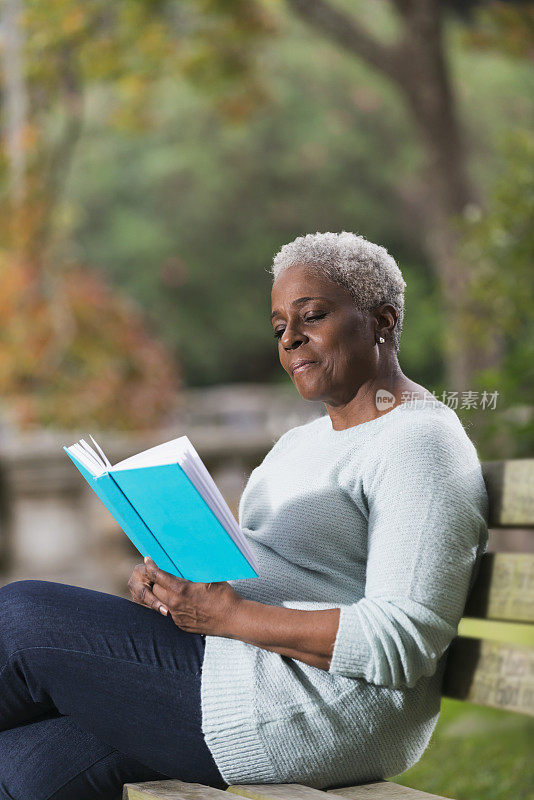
(381, 339)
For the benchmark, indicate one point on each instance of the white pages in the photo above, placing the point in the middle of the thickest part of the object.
(177, 451)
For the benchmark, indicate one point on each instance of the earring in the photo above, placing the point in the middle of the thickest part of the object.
(381, 340)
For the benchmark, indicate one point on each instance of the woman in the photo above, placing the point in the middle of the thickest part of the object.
(368, 524)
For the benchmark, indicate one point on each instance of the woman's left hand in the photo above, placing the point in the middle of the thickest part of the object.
(207, 608)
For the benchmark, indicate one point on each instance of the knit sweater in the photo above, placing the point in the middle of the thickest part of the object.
(386, 520)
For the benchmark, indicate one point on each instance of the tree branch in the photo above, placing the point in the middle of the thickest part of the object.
(54, 171)
(343, 29)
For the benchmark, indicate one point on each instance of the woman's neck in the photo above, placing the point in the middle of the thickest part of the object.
(374, 399)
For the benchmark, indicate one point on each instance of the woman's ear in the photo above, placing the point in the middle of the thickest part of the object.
(386, 316)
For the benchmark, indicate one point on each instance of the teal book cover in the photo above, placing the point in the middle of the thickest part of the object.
(166, 518)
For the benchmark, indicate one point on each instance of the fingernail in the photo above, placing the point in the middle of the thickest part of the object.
(146, 559)
(163, 610)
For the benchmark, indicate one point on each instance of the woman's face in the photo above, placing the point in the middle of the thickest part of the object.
(315, 320)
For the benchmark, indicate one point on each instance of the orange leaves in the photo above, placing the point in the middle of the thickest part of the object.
(74, 352)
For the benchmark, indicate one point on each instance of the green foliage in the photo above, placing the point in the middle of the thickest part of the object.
(504, 26)
(71, 349)
(476, 753)
(499, 247)
(71, 45)
(189, 217)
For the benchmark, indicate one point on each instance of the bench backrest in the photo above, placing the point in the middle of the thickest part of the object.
(485, 671)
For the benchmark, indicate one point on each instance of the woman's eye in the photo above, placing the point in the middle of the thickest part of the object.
(310, 318)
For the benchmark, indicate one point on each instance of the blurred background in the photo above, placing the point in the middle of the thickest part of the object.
(155, 155)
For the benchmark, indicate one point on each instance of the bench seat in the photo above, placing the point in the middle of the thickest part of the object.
(177, 790)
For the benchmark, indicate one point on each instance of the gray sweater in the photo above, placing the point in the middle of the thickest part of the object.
(386, 520)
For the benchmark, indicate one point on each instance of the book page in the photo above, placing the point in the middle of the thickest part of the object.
(166, 453)
(197, 472)
(104, 457)
(92, 453)
(199, 475)
(86, 459)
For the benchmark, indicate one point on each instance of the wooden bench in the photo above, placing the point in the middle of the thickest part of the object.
(479, 671)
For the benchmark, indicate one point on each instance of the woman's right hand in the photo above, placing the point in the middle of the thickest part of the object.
(140, 586)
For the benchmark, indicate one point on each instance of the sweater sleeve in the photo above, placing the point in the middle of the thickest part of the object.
(427, 530)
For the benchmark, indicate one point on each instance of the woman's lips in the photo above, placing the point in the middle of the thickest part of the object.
(301, 366)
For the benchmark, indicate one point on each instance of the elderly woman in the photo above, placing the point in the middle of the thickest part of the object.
(368, 524)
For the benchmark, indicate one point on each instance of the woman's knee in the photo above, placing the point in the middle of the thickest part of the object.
(27, 588)
(22, 609)
(18, 596)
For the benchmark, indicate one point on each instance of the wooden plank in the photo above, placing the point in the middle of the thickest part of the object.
(504, 588)
(383, 790)
(510, 487)
(380, 790)
(171, 790)
(178, 790)
(490, 674)
(519, 633)
(277, 791)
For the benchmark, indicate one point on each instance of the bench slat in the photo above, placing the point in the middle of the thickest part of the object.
(277, 791)
(383, 790)
(510, 487)
(178, 790)
(171, 790)
(380, 790)
(504, 588)
(490, 674)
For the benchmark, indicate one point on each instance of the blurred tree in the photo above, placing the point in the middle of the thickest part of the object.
(183, 209)
(74, 352)
(416, 62)
(187, 215)
(507, 27)
(51, 51)
(498, 243)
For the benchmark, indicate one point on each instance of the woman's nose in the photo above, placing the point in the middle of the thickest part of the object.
(292, 337)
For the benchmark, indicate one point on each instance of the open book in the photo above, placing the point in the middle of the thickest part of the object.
(168, 505)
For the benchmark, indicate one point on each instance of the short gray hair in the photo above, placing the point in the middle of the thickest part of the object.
(365, 269)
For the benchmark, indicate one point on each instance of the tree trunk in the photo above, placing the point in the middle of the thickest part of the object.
(425, 83)
(16, 98)
(417, 65)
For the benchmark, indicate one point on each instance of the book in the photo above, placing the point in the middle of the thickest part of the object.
(169, 506)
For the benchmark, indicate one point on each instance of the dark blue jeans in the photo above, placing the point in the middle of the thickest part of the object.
(95, 691)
